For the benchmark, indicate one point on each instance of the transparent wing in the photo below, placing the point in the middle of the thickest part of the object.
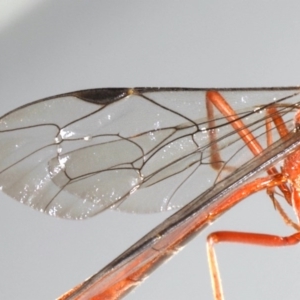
(136, 150)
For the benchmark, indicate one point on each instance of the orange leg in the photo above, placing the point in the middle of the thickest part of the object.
(215, 99)
(274, 117)
(245, 238)
(241, 237)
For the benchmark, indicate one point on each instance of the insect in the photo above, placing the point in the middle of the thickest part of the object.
(116, 147)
